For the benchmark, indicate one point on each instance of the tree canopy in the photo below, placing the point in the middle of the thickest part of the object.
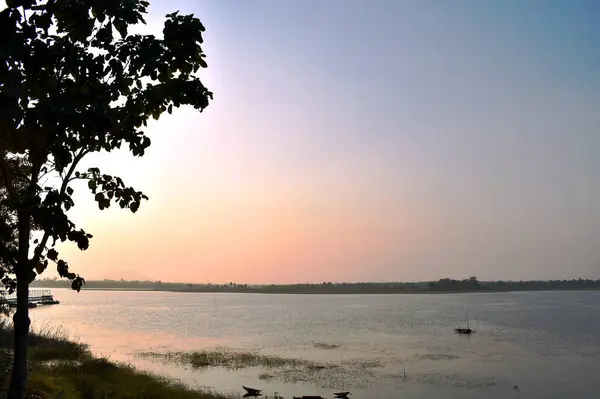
(74, 81)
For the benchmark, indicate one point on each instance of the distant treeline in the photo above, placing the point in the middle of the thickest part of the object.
(443, 285)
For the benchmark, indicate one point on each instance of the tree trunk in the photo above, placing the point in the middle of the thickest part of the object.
(18, 381)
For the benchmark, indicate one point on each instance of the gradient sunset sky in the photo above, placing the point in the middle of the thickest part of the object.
(369, 141)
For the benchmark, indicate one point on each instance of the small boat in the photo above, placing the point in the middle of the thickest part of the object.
(341, 394)
(467, 330)
(252, 391)
(464, 330)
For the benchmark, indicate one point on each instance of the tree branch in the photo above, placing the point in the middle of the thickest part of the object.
(40, 247)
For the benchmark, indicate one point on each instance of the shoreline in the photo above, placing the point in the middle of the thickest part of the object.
(308, 292)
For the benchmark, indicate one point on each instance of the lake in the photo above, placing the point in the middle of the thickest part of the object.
(547, 344)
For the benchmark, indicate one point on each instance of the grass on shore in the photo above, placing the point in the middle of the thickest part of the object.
(60, 367)
(45, 344)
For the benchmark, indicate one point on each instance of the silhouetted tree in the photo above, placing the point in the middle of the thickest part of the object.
(74, 82)
(4, 308)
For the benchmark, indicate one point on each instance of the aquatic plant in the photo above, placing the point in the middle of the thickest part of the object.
(227, 358)
(321, 345)
(355, 373)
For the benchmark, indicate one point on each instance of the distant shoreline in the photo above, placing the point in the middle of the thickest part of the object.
(267, 292)
(442, 286)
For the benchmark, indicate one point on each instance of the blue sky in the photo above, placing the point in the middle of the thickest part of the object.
(442, 138)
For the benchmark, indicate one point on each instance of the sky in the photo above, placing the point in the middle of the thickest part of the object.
(368, 141)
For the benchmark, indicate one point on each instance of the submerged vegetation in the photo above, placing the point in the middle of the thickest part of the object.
(61, 367)
(324, 375)
(322, 345)
(228, 359)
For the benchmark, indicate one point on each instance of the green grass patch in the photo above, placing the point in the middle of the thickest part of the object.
(100, 378)
(227, 358)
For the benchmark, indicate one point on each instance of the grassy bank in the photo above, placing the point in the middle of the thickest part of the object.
(61, 367)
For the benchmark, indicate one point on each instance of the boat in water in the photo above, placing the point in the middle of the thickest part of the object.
(250, 392)
(465, 330)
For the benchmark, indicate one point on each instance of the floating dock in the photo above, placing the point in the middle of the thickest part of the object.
(36, 297)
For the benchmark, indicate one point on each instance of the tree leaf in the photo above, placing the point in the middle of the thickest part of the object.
(39, 268)
(52, 254)
(62, 268)
(77, 283)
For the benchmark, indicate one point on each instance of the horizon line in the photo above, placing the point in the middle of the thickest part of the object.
(321, 283)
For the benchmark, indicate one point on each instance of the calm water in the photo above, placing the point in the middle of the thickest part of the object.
(546, 343)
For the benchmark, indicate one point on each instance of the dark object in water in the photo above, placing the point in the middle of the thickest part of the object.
(341, 394)
(252, 391)
(466, 330)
